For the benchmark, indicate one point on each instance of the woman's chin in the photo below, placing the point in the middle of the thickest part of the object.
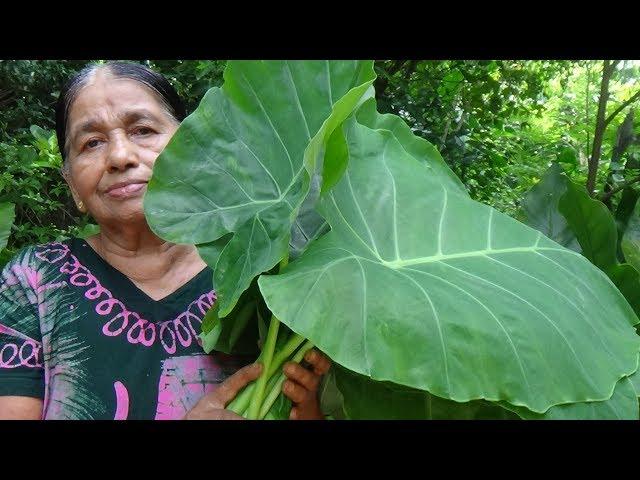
(127, 214)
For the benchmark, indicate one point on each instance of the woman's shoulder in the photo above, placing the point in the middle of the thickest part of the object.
(39, 256)
(31, 281)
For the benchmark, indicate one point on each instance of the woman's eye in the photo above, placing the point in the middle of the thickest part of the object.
(92, 143)
(143, 131)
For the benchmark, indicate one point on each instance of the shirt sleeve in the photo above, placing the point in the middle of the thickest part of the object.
(21, 352)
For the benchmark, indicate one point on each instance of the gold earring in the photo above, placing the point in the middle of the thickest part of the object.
(81, 206)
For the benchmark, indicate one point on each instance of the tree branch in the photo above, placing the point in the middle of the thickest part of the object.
(604, 197)
(625, 104)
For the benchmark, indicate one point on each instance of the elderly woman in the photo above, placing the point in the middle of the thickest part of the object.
(107, 328)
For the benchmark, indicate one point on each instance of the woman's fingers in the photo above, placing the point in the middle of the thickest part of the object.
(212, 406)
(320, 362)
(301, 375)
(228, 390)
(212, 414)
(296, 393)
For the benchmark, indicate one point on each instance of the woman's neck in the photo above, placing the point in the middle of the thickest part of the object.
(141, 255)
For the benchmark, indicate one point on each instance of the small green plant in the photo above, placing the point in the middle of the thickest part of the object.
(30, 179)
(7, 215)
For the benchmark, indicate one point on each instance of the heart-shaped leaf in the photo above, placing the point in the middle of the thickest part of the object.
(242, 163)
(434, 291)
(540, 208)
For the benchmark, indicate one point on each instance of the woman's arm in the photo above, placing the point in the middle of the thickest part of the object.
(22, 376)
(20, 408)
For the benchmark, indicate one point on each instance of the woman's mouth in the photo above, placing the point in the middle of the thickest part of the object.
(128, 190)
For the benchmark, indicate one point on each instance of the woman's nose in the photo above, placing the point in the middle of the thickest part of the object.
(122, 155)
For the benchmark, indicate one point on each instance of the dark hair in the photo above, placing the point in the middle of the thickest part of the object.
(133, 71)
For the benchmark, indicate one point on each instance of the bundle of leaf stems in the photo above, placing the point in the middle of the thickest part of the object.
(256, 399)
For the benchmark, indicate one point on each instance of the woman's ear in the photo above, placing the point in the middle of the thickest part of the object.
(76, 198)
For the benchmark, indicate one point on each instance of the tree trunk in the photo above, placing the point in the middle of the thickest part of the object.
(594, 160)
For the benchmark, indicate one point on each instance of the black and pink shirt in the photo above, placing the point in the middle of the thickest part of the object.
(79, 334)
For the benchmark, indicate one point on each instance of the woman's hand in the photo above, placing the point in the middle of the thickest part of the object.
(302, 386)
(211, 406)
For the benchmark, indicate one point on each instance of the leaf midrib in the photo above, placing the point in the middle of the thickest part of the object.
(471, 253)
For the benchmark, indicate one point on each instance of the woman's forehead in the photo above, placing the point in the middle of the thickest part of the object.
(106, 96)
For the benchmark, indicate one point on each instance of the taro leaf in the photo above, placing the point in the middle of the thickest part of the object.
(7, 215)
(630, 243)
(625, 209)
(540, 208)
(210, 252)
(230, 334)
(627, 279)
(242, 161)
(263, 329)
(635, 381)
(237, 332)
(309, 225)
(366, 399)
(418, 285)
(623, 405)
(216, 334)
(592, 223)
(416, 146)
(596, 231)
(331, 400)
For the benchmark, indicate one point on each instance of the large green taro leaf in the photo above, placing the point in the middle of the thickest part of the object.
(370, 400)
(418, 285)
(630, 243)
(592, 223)
(564, 212)
(623, 405)
(365, 399)
(243, 161)
(7, 215)
(596, 231)
(308, 225)
(413, 145)
(635, 381)
(624, 212)
(540, 208)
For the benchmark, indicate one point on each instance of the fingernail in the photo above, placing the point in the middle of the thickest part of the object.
(288, 369)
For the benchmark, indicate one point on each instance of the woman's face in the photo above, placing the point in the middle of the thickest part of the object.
(115, 131)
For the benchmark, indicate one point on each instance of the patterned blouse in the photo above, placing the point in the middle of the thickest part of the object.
(79, 334)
